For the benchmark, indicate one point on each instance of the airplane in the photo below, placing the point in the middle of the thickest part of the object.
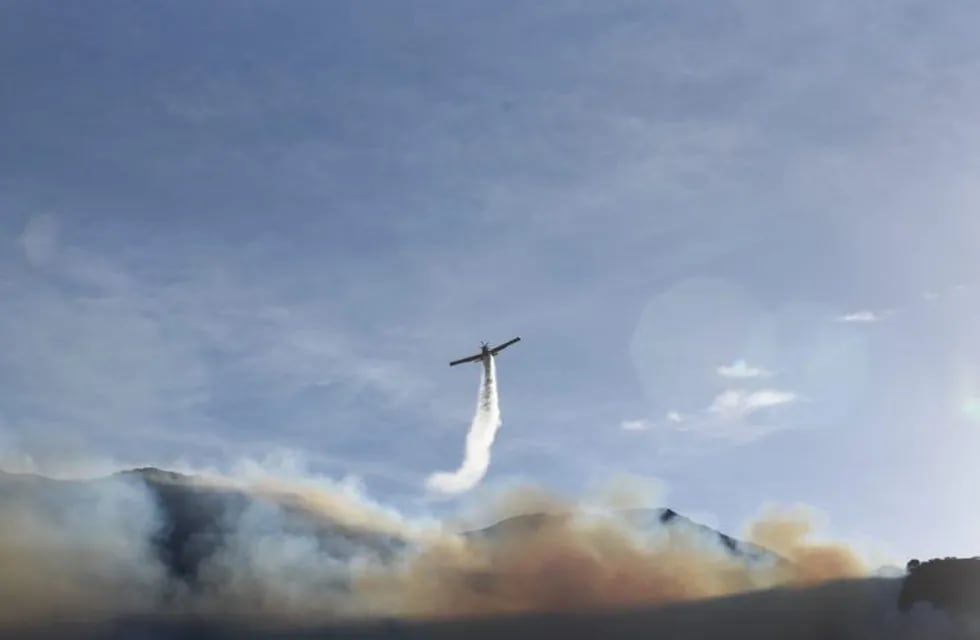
(485, 353)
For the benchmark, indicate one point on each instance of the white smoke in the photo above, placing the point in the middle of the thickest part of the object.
(479, 440)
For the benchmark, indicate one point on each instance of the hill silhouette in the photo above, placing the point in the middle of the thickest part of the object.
(950, 584)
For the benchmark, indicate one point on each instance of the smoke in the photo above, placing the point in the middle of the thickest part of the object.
(582, 557)
(479, 440)
(75, 551)
(293, 553)
(787, 532)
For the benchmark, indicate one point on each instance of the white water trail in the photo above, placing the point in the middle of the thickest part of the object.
(479, 440)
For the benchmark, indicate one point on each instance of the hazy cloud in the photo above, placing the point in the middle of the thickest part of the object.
(740, 369)
(728, 417)
(635, 425)
(860, 316)
(39, 239)
(735, 404)
(672, 417)
(140, 359)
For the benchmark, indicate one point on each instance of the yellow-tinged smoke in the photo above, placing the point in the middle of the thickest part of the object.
(578, 560)
(89, 553)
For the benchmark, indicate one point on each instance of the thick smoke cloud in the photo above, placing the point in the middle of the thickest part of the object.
(580, 560)
(86, 554)
(479, 440)
(76, 552)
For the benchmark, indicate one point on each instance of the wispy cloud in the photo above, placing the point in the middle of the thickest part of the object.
(729, 417)
(864, 316)
(635, 425)
(39, 239)
(958, 289)
(201, 357)
(672, 419)
(740, 369)
(735, 404)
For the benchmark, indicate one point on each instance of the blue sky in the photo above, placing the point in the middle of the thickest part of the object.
(738, 239)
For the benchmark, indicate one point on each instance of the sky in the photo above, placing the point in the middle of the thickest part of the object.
(739, 241)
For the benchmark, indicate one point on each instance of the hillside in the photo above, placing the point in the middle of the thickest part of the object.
(847, 610)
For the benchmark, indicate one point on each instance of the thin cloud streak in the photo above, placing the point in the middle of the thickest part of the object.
(635, 425)
(734, 404)
(728, 417)
(865, 316)
(741, 370)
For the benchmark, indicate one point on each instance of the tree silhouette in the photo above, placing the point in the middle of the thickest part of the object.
(949, 584)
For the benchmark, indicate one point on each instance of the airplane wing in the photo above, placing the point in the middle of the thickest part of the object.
(501, 347)
(469, 359)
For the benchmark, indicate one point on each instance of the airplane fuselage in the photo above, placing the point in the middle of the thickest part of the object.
(486, 353)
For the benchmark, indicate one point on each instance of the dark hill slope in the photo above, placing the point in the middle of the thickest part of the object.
(950, 584)
(851, 610)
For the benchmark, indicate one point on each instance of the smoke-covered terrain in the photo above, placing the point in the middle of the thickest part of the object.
(149, 553)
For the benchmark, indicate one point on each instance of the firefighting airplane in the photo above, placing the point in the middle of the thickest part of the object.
(485, 353)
